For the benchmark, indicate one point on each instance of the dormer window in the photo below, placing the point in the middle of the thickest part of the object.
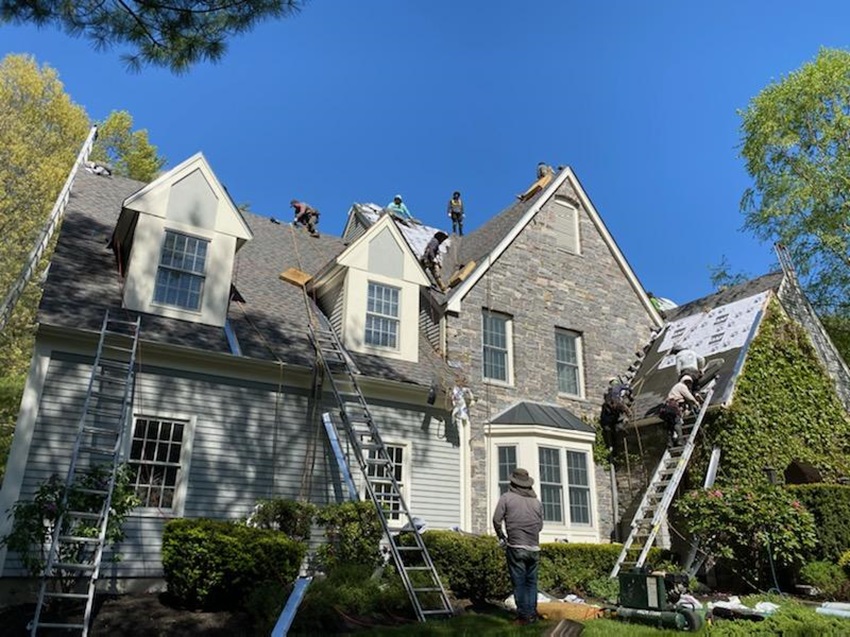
(182, 267)
(382, 317)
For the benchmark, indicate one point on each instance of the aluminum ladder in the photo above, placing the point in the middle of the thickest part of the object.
(413, 563)
(659, 494)
(73, 562)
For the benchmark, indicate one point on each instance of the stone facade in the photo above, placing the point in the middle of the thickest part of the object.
(541, 287)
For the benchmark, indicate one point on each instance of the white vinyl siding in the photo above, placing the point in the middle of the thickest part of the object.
(180, 275)
(496, 332)
(551, 488)
(382, 316)
(568, 362)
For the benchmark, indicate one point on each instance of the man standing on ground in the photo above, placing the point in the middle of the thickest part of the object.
(522, 515)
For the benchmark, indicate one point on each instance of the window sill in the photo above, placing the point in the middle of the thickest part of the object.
(153, 512)
(496, 383)
(571, 396)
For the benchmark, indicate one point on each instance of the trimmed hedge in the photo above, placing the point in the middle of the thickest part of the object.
(353, 532)
(474, 567)
(830, 506)
(213, 564)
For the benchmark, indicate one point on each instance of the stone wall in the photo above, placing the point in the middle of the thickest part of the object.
(543, 287)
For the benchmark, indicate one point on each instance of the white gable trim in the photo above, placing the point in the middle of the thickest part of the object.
(195, 162)
(490, 259)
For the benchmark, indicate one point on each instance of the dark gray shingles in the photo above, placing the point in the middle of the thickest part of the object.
(531, 413)
(83, 282)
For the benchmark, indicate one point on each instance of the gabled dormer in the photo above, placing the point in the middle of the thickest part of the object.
(176, 239)
(371, 293)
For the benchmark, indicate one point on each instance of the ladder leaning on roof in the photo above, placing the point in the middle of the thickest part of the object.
(413, 563)
(56, 214)
(659, 494)
(73, 562)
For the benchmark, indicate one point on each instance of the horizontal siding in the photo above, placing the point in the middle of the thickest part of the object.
(249, 443)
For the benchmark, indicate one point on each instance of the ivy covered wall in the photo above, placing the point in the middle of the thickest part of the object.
(784, 408)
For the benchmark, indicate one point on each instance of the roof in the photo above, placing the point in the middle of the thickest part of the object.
(531, 413)
(270, 325)
(717, 327)
(417, 235)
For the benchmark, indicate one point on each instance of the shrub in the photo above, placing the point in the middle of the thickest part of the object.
(473, 567)
(353, 532)
(844, 562)
(348, 591)
(570, 568)
(739, 523)
(215, 564)
(35, 520)
(830, 506)
(287, 516)
(827, 577)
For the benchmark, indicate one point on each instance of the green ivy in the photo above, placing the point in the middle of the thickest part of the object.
(784, 408)
(830, 504)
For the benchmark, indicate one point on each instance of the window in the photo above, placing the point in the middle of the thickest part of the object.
(180, 276)
(380, 477)
(579, 487)
(382, 316)
(507, 464)
(567, 358)
(496, 354)
(551, 491)
(155, 460)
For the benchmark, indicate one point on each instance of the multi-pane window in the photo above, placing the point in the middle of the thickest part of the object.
(496, 352)
(567, 354)
(507, 464)
(155, 460)
(551, 491)
(382, 315)
(180, 276)
(379, 476)
(579, 487)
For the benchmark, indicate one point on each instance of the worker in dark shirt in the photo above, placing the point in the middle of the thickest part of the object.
(431, 257)
(305, 215)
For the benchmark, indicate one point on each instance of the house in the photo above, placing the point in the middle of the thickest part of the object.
(545, 308)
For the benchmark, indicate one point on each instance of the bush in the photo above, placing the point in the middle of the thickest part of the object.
(830, 506)
(215, 564)
(844, 562)
(353, 532)
(473, 567)
(570, 568)
(287, 516)
(827, 577)
(739, 523)
(349, 591)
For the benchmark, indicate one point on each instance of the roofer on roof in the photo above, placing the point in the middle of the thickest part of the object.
(688, 363)
(399, 210)
(455, 210)
(672, 411)
(431, 257)
(305, 215)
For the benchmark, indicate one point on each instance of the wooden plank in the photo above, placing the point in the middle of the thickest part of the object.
(295, 276)
(461, 274)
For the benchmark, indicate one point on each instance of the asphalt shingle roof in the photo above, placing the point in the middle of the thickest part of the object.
(83, 282)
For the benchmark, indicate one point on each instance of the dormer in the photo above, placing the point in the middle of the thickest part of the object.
(372, 294)
(176, 240)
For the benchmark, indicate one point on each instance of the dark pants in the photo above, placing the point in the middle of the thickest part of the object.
(309, 221)
(671, 414)
(457, 224)
(522, 566)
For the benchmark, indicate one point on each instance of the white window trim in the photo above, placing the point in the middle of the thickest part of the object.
(179, 502)
(399, 330)
(509, 345)
(570, 206)
(567, 511)
(405, 485)
(579, 340)
(204, 276)
(564, 485)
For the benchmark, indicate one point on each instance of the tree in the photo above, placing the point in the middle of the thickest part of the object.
(796, 146)
(128, 152)
(174, 34)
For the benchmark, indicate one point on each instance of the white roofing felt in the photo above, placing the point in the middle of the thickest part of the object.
(417, 235)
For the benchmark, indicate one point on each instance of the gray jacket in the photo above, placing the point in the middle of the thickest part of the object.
(523, 519)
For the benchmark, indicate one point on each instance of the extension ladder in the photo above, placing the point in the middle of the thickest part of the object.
(79, 536)
(413, 563)
(659, 494)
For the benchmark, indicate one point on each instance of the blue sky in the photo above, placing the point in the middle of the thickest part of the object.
(355, 101)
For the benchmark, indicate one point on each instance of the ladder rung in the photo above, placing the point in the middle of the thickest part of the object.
(113, 364)
(113, 321)
(66, 566)
(99, 430)
(442, 611)
(102, 396)
(65, 596)
(79, 538)
(417, 568)
(65, 626)
(92, 491)
(84, 515)
(428, 589)
(98, 450)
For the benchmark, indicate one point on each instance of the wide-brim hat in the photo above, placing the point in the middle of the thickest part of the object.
(520, 478)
